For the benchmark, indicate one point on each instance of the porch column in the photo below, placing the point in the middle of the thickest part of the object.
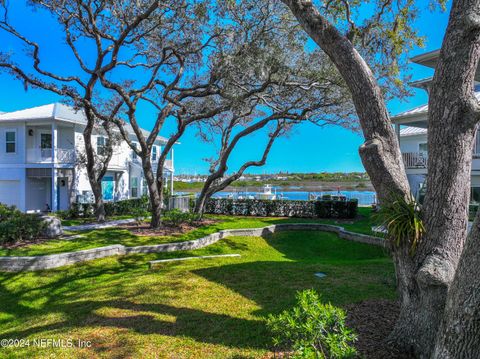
(171, 182)
(54, 142)
(397, 131)
(54, 190)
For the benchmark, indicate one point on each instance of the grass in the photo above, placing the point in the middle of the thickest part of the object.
(76, 222)
(213, 308)
(109, 236)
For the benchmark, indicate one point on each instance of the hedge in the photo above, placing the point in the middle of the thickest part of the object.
(282, 208)
(16, 225)
(118, 208)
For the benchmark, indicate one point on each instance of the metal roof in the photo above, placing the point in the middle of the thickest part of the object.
(57, 111)
(412, 131)
(420, 110)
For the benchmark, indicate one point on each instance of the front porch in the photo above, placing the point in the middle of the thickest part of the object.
(44, 194)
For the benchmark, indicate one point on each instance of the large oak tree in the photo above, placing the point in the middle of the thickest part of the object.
(425, 277)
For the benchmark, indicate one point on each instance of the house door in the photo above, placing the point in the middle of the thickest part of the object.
(46, 145)
(107, 188)
(62, 193)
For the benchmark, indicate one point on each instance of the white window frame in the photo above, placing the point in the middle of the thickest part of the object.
(132, 187)
(14, 130)
(134, 154)
(102, 147)
(154, 154)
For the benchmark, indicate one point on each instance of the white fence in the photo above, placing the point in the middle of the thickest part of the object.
(179, 202)
(415, 159)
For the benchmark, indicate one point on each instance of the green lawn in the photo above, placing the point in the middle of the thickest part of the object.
(105, 237)
(76, 222)
(213, 308)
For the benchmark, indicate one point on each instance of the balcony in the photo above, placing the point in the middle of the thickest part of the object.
(44, 155)
(168, 164)
(415, 159)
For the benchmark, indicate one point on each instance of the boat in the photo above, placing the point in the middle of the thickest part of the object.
(267, 193)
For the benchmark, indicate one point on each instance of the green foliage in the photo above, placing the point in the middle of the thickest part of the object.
(175, 218)
(283, 208)
(313, 329)
(128, 206)
(402, 219)
(17, 226)
(133, 206)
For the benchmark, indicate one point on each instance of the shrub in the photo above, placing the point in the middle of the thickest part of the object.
(313, 329)
(16, 226)
(126, 207)
(176, 217)
(283, 208)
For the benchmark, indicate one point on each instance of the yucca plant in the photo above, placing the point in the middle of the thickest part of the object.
(402, 219)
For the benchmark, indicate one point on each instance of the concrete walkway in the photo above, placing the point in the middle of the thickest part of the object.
(92, 226)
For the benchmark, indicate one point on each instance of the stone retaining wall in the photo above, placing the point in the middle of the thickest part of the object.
(18, 264)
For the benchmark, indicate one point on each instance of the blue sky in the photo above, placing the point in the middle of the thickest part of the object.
(308, 149)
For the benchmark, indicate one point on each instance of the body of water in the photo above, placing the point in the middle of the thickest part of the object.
(365, 198)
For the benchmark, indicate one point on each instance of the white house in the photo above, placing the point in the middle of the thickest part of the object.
(39, 166)
(411, 125)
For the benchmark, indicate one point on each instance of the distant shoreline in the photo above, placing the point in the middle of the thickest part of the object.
(363, 186)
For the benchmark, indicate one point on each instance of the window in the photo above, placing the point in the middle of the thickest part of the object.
(10, 141)
(475, 195)
(134, 154)
(134, 187)
(423, 147)
(476, 146)
(144, 187)
(45, 140)
(102, 144)
(154, 153)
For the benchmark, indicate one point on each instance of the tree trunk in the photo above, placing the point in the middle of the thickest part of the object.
(93, 178)
(423, 280)
(153, 191)
(99, 206)
(459, 334)
(451, 132)
(202, 198)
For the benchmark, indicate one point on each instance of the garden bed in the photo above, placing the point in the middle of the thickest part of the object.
(144, 229)
(373, 320)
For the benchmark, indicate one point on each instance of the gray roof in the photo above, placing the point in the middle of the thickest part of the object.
(57, 111)
(420, 110)
(412, 131)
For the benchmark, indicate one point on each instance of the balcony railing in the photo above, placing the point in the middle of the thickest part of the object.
(415, 159)
(44, 155)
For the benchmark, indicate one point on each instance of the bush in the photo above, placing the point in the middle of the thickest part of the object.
(176, 217)
(16, 226)
(283, 208)
(313, 329)
(125, 207)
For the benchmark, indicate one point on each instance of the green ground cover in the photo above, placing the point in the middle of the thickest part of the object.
(213, 308)
(110, 236)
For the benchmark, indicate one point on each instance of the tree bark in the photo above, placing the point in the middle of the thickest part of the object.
(423, 280)
(459, 334)
(94, 180)
(457, 113)
(154, 193)
(380, 153)
(452, 123)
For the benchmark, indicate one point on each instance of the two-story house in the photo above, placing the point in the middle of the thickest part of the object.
(411, 126)
(41, 161)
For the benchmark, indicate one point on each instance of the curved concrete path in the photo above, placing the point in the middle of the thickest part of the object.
(19, 264)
